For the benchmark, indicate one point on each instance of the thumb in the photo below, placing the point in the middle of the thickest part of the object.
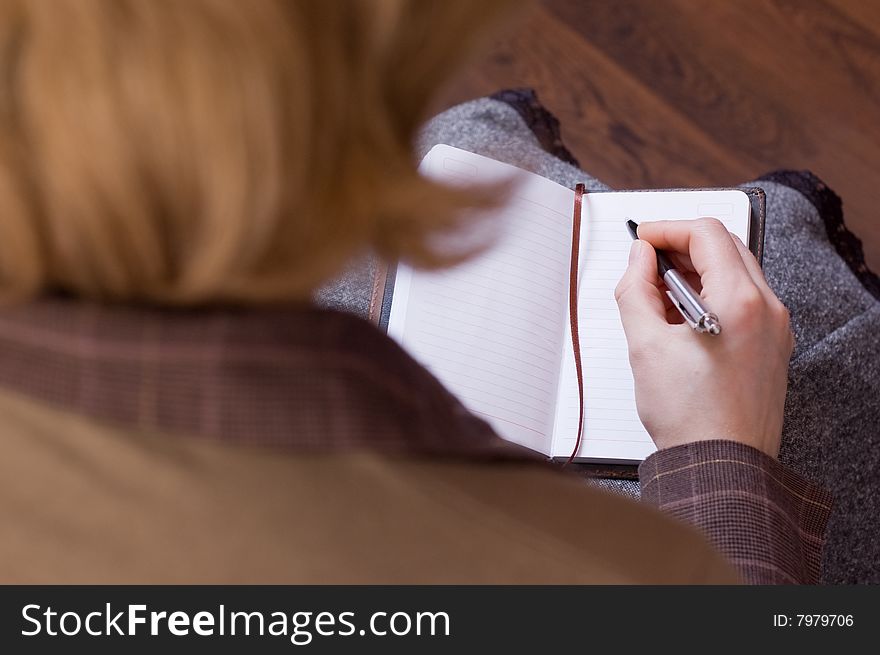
(638, 294)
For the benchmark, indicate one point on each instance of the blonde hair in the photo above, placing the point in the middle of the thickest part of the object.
(197, 151)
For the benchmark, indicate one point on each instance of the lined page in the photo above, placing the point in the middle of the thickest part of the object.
(612, 430)
(491, 329)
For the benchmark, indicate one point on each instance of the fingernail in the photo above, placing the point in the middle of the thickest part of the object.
(635, 250)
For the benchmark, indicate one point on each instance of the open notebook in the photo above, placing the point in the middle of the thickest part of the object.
(495, 330)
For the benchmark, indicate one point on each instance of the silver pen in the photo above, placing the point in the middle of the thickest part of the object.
(682, 295)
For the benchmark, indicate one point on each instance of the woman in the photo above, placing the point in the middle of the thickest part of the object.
(176, 180)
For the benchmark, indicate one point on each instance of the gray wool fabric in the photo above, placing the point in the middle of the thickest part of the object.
(832, 410)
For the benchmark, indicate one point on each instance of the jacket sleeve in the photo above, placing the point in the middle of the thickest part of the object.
(765, 518)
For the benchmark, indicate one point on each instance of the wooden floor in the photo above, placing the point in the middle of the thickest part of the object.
(656, 93)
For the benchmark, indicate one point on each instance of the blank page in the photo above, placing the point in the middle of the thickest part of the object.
(612, 430)
(491, 330)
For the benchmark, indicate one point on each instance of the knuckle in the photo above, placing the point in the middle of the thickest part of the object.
(781, 313)
(710, 224)
(748, 307)
(750, 299)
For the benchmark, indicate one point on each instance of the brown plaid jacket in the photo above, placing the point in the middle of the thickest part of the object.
(313, 381)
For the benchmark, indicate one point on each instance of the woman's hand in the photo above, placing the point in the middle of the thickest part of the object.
(689, 386)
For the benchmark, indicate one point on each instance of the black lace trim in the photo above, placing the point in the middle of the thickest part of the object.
(543, 124)
(830, 209)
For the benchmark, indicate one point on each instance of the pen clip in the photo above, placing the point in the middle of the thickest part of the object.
(690, 320)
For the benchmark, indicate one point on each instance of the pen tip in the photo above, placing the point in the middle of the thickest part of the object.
(633, 228)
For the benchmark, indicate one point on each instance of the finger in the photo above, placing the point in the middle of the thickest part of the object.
(638, 294)
(711, 250)
(682, 262)
(753, 267)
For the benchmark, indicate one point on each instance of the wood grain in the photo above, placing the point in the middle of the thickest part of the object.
(655, 93)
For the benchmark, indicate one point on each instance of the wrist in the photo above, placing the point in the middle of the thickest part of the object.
(768, 446)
